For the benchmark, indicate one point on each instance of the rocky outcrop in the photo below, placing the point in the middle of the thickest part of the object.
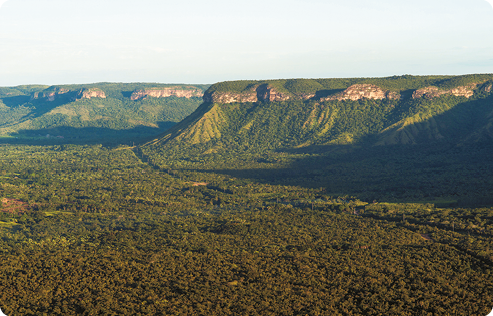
(464, 91)
(363, 91)
(265, 92)
(230, 97)
(90, 93)
(50, 95)
(166, 92)
(488, 88)
(268, 93)
(55, 93)
(262, 93)
(433, 92)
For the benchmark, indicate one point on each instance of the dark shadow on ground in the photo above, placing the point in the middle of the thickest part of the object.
(86, 135)
(16, 100)
(127, 94)
(463, 175)
(450, 156)
(325, 93)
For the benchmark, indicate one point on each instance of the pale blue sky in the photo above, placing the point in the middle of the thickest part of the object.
(192, 41)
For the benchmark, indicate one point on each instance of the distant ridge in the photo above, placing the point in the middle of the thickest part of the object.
(100, 112)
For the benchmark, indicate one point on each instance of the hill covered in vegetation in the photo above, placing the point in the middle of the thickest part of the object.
(301, 112)
(101, 112)
(326, 132)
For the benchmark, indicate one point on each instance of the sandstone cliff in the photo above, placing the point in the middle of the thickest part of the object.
(90, 93)
(230, 97)
(179, 92)
(433, 92)
(268, 93)
(49, 95)
(260, 93)
(363, 91)
(265, 92)
(54, 93)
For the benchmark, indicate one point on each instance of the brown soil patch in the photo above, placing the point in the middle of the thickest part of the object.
(13, 206)
(196, 184)
(426, 237)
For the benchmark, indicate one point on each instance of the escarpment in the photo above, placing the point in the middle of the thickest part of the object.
(230, 97)
(167, 92)
(364, 91)
(268, 93)
(433, 92)
(272, 91)
(294, 114)
(54, 93)
(90, 93)
(49, 94)
(262, 92)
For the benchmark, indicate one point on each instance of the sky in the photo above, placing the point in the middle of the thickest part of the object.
(196, 41)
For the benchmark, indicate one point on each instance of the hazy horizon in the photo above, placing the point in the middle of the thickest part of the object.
(62, 42)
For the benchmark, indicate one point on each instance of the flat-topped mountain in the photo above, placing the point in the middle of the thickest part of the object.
(274, 114)
(55, 92)
(396, 87)
(408, 137)
(96, 112)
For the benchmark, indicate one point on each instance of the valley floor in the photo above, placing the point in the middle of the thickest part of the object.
(91, 230)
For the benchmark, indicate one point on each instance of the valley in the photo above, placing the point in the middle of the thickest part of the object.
(362, 196)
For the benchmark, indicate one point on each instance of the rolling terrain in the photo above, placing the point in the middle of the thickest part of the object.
(102, 112)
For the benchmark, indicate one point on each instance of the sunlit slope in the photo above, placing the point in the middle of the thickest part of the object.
(255, 116)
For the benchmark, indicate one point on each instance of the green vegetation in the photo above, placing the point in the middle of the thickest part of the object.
(101, 232)
(367, 207)
(387, 149)
(395, 83)
(28, 114)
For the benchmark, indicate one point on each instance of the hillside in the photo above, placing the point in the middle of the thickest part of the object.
(307, 131)
(301, 112)
(98, 112)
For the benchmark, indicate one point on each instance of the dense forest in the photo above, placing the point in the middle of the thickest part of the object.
(63, 114)
(271, 219)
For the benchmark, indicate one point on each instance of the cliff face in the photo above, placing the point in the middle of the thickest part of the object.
(230, 97)
(433, 92)
(56, 93)
(90, 93)
(49, 95)
(363, 91)
(487, 88)
(266, 92)
(166, 92)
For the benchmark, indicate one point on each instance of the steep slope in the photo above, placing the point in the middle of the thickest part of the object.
(258, 116)
(455, 114)
(411, 138)
(95, 111)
